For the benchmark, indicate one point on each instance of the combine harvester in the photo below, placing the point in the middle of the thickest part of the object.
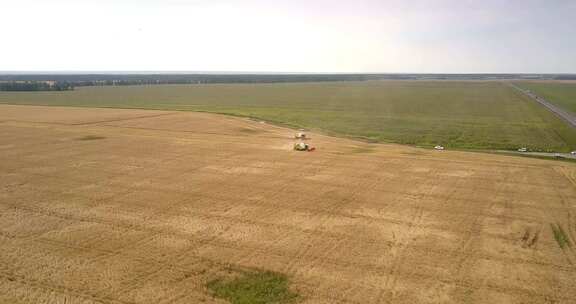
(301, 136)
(302, 146)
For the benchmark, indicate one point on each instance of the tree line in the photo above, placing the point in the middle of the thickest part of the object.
(36, 86)
(61, 82)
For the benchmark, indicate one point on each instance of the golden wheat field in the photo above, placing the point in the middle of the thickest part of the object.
(142, 206)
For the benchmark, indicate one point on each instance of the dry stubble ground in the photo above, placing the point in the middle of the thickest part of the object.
(134, 206)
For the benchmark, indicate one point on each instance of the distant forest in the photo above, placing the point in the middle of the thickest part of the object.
(36, 86)
(60, 82)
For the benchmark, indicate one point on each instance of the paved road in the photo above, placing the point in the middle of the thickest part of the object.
(569, 117)
(547, 154)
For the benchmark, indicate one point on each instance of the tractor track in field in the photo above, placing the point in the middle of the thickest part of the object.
(334, 237)
(465, 283)
(268, 210)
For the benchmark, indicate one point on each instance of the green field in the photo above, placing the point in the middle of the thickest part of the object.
(562, 94)
(474, 115)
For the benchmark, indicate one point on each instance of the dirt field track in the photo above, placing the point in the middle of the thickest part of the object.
(134, 206)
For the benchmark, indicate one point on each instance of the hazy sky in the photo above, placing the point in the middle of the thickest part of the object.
(289, 36)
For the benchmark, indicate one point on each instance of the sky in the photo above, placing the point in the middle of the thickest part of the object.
(324, 36)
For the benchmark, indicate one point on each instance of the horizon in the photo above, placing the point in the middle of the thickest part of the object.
(112, 72)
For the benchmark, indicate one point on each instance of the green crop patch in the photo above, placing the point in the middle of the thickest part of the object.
(560, 236)
(254, 287)
(90, 137)
(463, 115)
(561, 94)
(249, 131)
